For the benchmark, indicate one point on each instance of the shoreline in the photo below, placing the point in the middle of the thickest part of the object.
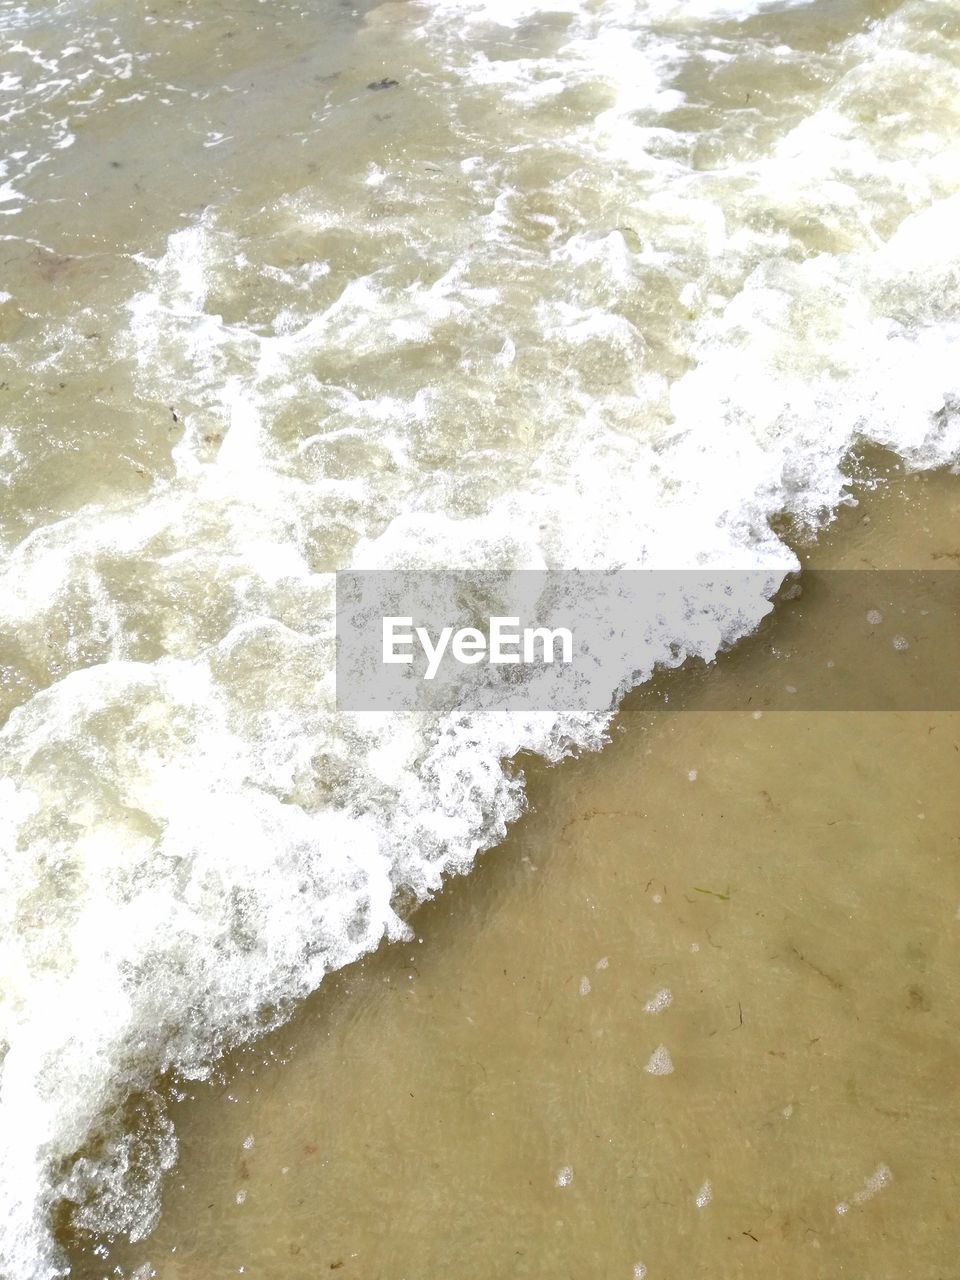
(409, 284)
(559, 1027)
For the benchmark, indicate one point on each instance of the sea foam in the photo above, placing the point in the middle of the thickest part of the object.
(583, 337)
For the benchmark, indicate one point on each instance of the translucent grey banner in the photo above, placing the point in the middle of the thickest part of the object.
(568, 641)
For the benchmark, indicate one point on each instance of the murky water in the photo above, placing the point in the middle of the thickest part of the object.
(287, 289)
(699, 1011)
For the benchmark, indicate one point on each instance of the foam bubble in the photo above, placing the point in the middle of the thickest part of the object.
(662, 1000)
(660, 1062)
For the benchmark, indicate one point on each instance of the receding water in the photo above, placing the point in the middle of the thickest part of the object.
(473, 284)
(698, 1013)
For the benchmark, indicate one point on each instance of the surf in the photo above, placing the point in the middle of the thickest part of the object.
(604, 287)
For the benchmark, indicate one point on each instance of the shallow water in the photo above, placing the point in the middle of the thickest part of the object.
(602, 285)
(774, 899)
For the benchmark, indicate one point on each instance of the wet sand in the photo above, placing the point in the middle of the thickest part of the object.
(697, 1016)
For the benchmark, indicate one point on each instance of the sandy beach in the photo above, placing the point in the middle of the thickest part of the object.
(292, 985)
(698, 1012)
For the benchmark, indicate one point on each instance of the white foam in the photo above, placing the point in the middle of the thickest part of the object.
(657, 1003)
(880, 1178)
(660, 1063)
(191, 832)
